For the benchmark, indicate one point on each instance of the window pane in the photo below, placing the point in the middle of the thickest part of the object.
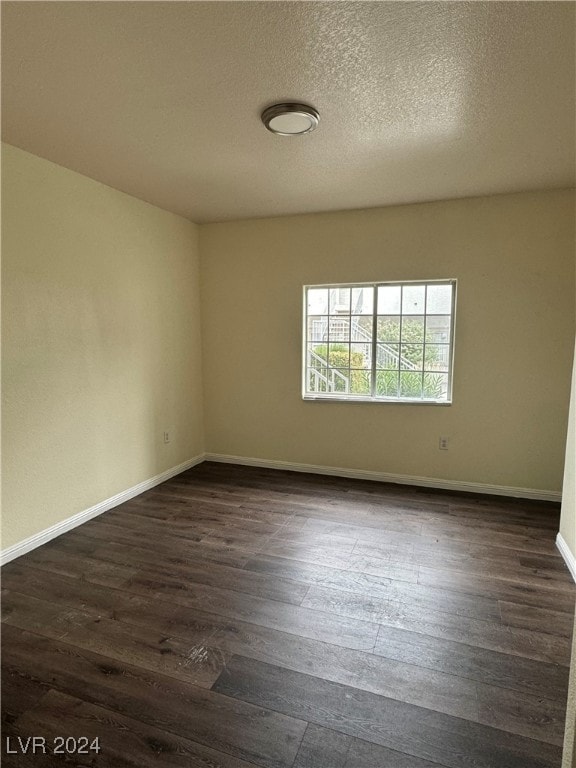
(413, 299)
(339, 380)
(318, 301)
(413, 329)
(438, 329)
(360, 383)
(317, 380)
(437, 357)
(412, 356)
(317, 328)
(439, 300)
(387, 356)
(339, 355)
(361, 355)
(389, 299)
(388, 328)
(410, 385)
(340, 328)
(436, 386)
(317, 354)
(362, 301)
(361, 328)
(325, 376)
(339, 301)
(387, 384)
(317, 369)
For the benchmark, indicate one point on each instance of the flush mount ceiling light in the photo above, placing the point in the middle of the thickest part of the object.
(290, 119)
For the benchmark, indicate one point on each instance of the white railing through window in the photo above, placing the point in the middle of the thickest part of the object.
(338, 329)
(322, 374)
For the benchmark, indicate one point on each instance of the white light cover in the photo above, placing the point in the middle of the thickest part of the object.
(290, 119)
(292, 122)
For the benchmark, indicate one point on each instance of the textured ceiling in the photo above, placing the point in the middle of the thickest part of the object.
(418, 100)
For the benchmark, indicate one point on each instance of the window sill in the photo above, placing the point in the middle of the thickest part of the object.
(377, 400)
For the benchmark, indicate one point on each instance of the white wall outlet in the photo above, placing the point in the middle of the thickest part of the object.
(443, 443)
(166, 437)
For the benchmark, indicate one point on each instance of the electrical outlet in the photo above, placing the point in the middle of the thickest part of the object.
(443, 443)
(166, 437)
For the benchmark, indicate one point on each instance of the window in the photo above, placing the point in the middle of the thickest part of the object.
(379, 342)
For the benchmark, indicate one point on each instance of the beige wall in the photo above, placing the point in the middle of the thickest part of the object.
(101, 343)
(514, 260)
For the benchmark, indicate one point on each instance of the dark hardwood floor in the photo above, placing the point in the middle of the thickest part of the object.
(236, 617)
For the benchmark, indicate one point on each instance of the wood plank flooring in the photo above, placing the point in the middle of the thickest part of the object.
(236, 617)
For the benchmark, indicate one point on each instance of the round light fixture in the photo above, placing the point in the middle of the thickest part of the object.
(290, 119)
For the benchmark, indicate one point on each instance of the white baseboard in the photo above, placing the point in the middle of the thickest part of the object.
(385, 477)
(569, 558)
(16, 550)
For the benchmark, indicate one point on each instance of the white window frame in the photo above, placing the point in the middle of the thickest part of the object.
(372, 397)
